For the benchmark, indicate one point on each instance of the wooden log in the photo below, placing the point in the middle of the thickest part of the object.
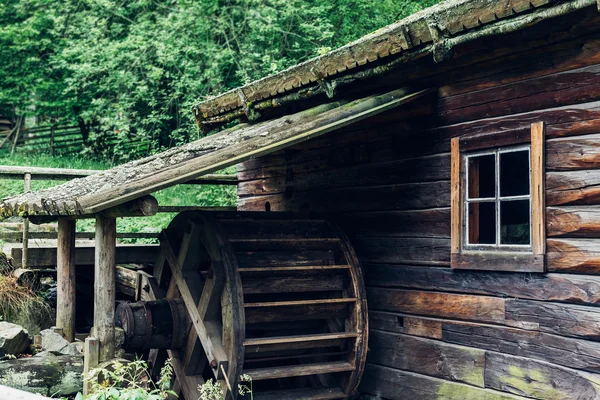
(568, 352)
(377, 198)
(104, 286)
(65, 278)
(427, 357)
(394, 384)
(573, 187)
(84, 255)
(127, 281)
(537, 379)
(413, 170)
(415, 223)
(37, 173)
(49, 375)
(583, 289)
(573, 153)
(573, 221)
(573, 255)
(560, 319)
(27, 188)
(428, 251)
(142, 207)
(569, 87)
(446, 305)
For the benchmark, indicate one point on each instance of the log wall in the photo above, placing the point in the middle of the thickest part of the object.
(437, 333)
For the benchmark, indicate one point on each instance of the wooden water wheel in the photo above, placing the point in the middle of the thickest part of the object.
(277, 297)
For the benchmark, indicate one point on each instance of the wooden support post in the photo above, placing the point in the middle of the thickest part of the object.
(65, 278)
(27, 188)
(90, 361)
(104, 286)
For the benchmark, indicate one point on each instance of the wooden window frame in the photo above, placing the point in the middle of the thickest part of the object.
(527, 259)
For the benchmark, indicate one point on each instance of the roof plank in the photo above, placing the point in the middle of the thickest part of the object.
(135, 179)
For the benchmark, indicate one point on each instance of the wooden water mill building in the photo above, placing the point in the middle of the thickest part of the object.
(418, 218)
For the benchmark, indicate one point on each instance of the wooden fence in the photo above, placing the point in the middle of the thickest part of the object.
(57, 139)
(14, 232)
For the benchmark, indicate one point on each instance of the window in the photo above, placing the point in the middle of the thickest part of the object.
(498, 201)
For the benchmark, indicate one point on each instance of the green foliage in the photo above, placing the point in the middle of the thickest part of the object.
(134, 68)
(128, 382)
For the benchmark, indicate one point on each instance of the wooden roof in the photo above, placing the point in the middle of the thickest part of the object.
(434, 30)
(95, 193)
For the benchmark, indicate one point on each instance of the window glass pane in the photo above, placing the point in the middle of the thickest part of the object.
(514, 222)
(514, 173)
(481, 176)
(482, 223)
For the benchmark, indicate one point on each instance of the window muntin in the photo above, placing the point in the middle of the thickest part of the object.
(497, 203)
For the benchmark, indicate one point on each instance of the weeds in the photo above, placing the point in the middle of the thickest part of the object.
(19, 304)
(128, 382)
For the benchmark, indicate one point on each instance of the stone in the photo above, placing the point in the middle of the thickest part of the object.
(46, 373)
(14, 339)
(54, 342)
(74, 349)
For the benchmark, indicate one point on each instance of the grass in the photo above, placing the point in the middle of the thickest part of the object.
(181, 195)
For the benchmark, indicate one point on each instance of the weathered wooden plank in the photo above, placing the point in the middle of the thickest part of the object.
(569, 87)
(538, 193)
(560, 319)
(455, 197)
(424, 327)
(516, 262)
(377, 198)
(573, 221)
(573, 187)
(574, 255)
(415, 223)
(393, 384)
(573, 153)
(84, 255)
(584, 289)
(568, 352)
(539, 380)
(428, 357)
(429, 251)
(414, 170)
(445, 305)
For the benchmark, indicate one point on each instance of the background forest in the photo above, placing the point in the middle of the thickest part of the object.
(135, 67)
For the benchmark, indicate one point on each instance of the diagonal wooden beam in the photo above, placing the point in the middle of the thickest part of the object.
(206, 332)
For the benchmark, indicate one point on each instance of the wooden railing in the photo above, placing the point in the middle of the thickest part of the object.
(27, 174)
(60, 139)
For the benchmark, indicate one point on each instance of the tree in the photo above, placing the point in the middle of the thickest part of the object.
(134, 68)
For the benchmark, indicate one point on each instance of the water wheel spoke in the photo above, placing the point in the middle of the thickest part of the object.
(211, 344)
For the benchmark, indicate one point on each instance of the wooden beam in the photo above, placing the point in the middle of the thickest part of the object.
(455, 197)
(145, 206)
(10, 172)
(65, 278)
(91, 352)
(27, 188)
(538, 190)
(85, 255)
(301, 127)
(104, 286)
(213, 349)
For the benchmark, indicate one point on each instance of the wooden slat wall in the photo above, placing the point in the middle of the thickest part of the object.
(440, 333)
